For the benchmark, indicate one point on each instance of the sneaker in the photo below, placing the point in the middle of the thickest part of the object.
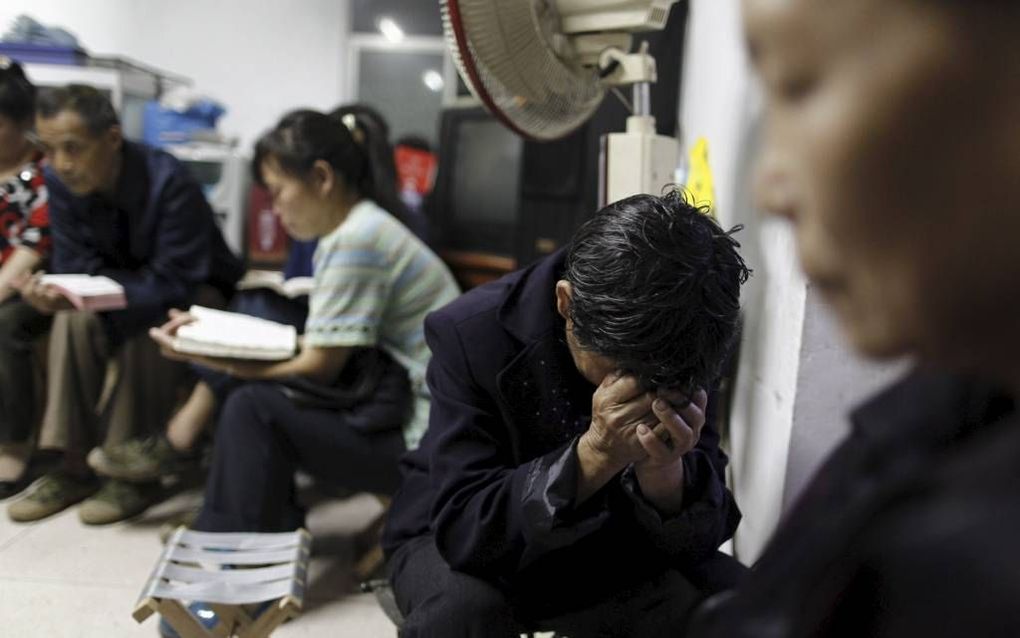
(14, 460)
(140, 460)
(117, 501)
(10, 488)
(50, 494)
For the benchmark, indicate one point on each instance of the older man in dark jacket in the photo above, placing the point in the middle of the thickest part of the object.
(571, 476)
(133, 214)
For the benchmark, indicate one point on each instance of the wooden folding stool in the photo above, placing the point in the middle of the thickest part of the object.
(230, 574)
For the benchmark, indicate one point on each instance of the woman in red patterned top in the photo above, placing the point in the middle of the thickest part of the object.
(24, 247)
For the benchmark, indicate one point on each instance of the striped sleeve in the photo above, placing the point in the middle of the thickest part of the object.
(347, 304)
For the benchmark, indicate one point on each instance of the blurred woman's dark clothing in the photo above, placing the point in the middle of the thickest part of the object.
(910, 528)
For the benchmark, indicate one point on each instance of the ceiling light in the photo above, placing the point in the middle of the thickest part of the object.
(433, 79)
(391, 30)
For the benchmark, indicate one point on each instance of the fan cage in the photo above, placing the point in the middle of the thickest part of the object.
(506, 52)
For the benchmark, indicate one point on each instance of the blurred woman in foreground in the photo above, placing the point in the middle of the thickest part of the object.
(893, 149)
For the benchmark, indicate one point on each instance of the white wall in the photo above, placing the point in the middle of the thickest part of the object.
(831, 382)
(797, 378)
(716, 99)
(719, 101)
(259, 58)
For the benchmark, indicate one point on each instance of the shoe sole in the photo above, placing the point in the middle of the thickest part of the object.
(40, 514)
(117, 517)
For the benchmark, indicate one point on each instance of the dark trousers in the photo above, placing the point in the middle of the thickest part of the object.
(438, 601)
(21, 396)
(263, 438)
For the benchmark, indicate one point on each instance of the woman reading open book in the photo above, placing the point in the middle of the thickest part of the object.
(374, 282)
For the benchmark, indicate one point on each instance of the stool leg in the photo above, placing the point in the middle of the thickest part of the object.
(369, 563)
(372, 559)
(286, 607)
(181, 620)
(230, 616)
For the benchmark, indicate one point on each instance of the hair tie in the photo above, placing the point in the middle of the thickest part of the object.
(351, 122)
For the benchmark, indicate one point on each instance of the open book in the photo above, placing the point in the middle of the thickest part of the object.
(273, 280)
(86, 292)
(217, 333)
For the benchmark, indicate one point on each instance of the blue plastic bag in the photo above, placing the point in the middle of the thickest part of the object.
(163, 126)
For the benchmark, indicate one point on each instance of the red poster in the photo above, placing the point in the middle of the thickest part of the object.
(267, 241)
(416, 169)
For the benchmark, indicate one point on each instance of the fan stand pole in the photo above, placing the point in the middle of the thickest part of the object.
(642, 99)
(639, 160)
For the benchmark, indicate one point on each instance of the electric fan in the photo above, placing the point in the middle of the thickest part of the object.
(542, 67)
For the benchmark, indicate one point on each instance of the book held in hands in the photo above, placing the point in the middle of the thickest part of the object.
(87, 292)
(273, 280)
(217, 333)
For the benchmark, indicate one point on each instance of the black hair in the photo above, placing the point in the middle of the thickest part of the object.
(17, 94)
(656, 289)
(372, 131)
(365, 113)
(348, 139)
(89, 103)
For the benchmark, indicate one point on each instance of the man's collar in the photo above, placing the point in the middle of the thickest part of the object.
(132, 183)
(529, 311)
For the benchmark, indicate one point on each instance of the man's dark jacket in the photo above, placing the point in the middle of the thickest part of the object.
(155, 235)
(910, 528)
(495, 475)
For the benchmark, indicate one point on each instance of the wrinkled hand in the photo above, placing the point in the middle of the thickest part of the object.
(677, 431)
(42, 297)
(619, 407)
(661, 473)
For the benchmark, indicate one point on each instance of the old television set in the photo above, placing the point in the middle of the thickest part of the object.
(476, 203)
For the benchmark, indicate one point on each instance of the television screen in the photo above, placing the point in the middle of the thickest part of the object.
(476, 204)
(486, 173)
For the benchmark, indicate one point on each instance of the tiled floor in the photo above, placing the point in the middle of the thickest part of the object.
(60, 578)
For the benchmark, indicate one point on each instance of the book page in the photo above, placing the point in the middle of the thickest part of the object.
(273, 280)
(298, 286)
(228, 334)
(84, 285)
(254, 279)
